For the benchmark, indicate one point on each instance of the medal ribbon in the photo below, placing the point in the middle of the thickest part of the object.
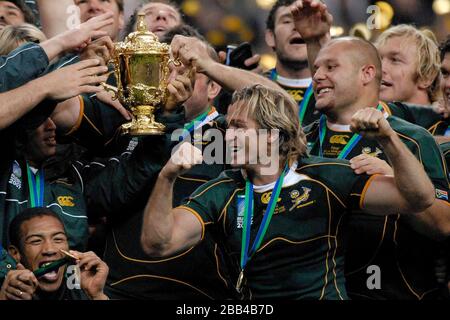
(199, 121)
(348, 147)
(303, 105)
(246, 255)
(36, 187)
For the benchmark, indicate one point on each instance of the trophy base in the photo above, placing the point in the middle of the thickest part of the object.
(143, 124)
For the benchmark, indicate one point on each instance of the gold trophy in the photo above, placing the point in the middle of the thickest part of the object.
(141, 66)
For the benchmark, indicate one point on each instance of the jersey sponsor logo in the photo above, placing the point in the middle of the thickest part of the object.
(265, 198)
(298, 199)
(339, 139)
(16, 176)
(296, 94)
(441, 194)
(369, 152)
(66, 201)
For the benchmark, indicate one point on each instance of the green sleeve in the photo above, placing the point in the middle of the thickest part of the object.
(208, 201)
(21, 66)
(118, 186)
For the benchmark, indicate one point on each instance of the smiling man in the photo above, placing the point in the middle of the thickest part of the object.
(37, 237)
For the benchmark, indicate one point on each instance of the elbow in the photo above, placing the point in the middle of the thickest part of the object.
(151, 247)
(421, 202)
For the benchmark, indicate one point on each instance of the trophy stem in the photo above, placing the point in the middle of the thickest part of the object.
(143, 123)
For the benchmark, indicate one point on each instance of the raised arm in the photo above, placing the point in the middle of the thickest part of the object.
(409, 190)
(313, 21)
(165, 230)
(78, 37)
(194, 52)
(58, 85)
(55, 15)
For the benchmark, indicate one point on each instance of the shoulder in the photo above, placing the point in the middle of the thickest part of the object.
(409, 130)
(225, 183)
(321, 166)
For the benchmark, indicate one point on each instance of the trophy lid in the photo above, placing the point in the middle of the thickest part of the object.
(142, 41)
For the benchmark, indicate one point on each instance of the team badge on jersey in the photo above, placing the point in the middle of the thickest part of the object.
(265, 198)
(369, 152)
(66, 201)
(441, 194)
(298, 199)
(339, 139)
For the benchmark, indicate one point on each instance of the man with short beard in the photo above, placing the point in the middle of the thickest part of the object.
(291, 71)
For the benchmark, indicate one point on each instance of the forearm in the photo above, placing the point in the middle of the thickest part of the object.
(158, 217)
(433, 222)
(233, 79)
(313, 48)
(53, 47)
(410, 177)
(16, 103)
(55, 15)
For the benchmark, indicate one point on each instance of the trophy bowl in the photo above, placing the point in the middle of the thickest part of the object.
(141, 67)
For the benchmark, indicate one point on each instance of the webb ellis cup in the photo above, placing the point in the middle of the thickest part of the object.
(141, 66)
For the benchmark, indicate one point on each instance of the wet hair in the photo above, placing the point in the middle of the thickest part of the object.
(428, 56)
(15, 233)
(12, 37)
(131, 24)
(27, 13)
(270, 22)
(273, 109)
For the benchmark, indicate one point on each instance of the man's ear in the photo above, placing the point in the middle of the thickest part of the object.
(270, 39)
(14, 252)
(368, 73)
(213, 90)
(424, 84)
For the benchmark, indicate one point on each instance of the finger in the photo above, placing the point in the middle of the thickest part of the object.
(90, 89)
(86, 64)
(253, 60)
(359, 158)
(23, 287)
(174, 91)
(88, 72)
(20, 267)
(10, 296)
(15, 293)
(222, 56)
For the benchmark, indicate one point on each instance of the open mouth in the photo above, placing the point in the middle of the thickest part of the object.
(297, 40)
(51, 276)
(51, 141)
(321, 91)
(386, 84)
(159, 29)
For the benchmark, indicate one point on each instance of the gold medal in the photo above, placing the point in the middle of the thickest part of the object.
(240, 282)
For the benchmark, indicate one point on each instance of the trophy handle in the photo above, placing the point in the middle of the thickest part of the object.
(110, 88)
(176, 62)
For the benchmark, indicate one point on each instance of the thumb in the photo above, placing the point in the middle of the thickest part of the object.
(191, 75)
(222, 56)
(20, 267)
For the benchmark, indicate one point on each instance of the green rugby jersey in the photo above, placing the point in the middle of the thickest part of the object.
(406, 258)
(445, 147)
(423, 116)
(298, 90)
(301, 256)
(199, 273)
